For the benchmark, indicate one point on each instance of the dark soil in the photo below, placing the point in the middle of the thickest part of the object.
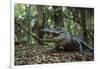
(45, 55)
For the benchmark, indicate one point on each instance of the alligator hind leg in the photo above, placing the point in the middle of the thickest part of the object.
(80, 48)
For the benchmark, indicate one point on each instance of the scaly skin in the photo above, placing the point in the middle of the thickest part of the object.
(66, 40)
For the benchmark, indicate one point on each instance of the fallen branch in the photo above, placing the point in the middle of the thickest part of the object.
(31, 34)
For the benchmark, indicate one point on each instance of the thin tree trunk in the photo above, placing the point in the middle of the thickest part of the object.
(84, 26)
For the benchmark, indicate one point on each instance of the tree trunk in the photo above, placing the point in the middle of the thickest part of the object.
(84, 26)
(58, 17)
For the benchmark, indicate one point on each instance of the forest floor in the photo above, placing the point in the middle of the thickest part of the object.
(46, 55)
